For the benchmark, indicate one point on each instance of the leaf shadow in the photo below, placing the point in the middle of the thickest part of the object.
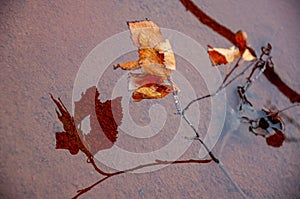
(105, 117)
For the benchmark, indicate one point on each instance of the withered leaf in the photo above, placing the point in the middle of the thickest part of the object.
(164, 48)
(248, 55)
(136, 80)
(151, 91)
(145, 34)
(220, 56)
(151, 62)
(130, 65)
(155, 55)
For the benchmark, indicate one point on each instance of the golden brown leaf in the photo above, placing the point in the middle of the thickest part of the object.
(152, 63)
(136, 80)
(248, 56)
(145, 34)
(220, 56)
(130, 65)
(168, 54)
(155, 55)
(151, 91)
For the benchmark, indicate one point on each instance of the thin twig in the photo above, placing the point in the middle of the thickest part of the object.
(213, 157)
(222, 86)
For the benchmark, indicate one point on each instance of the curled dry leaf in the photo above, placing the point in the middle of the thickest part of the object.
(220, 56)
(145, 34)
(156, 60)
(130, 65)
(136, 80)
(164, 48)
(149, 86)
(155, 55)
(151, 91)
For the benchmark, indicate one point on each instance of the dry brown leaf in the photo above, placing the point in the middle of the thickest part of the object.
(159, 60)
(155, 55)
(165, 49)
(220, 56)
(247, 55)
(136, 80)
(145, 34)
(151, 91)
(130, 65)
(151, 62)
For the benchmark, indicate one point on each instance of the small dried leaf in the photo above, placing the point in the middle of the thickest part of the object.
(155, 55)
(168, 54)
(220, 56)
(150, 56)
(131, 65)
(145, 34)
(248, 56)
(136, 80)
(159, 60)
(151, 91)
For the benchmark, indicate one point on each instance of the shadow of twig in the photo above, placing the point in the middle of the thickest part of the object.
(158, 162)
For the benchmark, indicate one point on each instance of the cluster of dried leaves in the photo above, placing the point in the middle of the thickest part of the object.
(156, 61)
